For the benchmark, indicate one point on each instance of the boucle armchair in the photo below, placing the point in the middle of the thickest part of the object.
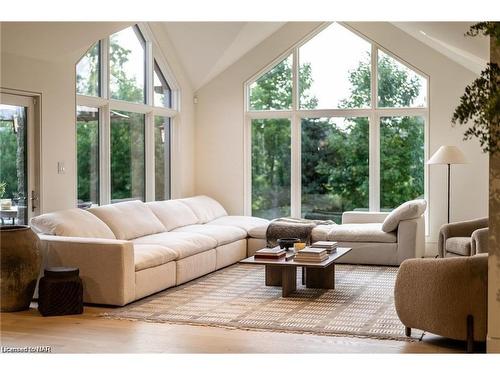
(463, 238)
(447, 297)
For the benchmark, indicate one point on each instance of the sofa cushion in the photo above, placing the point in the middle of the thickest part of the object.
(222, 234)
(173, 213)
(149, 256)
(459, 245)
(360, 233)
(320, 232)
(205, 208)
(406, 211)
(129, 220)
(254, 226)
(72, 223)
(184, 244)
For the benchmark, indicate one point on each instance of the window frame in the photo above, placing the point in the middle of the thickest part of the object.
(374, 114)
(106, 104)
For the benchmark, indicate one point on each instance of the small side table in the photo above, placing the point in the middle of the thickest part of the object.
(60, 292)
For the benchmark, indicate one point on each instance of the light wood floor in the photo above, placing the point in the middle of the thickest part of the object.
(89, 333)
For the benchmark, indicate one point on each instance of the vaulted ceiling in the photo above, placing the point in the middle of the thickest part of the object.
(205, 49)
(448, 38)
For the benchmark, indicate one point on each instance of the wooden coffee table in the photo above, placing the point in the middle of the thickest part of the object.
(281, 272)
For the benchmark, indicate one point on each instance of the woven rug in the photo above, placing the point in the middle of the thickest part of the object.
(362, 304)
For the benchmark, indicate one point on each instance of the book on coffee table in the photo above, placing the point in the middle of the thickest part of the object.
(310, 254)
(274, 253)
(328, 245)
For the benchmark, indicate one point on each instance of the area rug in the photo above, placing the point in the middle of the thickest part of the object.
(362, 304)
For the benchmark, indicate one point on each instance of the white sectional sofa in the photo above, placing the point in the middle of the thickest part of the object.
(129, 250)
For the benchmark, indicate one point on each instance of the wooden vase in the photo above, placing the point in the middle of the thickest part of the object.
(20, 266)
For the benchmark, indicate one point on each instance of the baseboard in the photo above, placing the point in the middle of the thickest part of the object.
(493, 344)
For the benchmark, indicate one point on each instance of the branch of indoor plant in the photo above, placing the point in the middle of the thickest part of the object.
(481, 100)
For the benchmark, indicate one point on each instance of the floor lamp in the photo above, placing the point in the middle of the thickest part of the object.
(448, 155)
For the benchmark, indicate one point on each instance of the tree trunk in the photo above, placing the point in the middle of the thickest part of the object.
(494, 234)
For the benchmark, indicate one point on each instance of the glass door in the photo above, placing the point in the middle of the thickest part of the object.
(17, 192)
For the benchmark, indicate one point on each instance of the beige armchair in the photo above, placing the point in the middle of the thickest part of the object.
(463, 238)
(447, 297)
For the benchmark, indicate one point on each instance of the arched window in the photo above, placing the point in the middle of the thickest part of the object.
(126, 104)
(335, 124)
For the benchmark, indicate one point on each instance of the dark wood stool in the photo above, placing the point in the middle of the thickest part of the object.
(60, 292)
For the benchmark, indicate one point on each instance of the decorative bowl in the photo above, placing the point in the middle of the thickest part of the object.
(287, 243)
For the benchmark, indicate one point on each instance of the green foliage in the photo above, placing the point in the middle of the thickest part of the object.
(87, 135)
(481, 104)
(127, 156)
(401, 160)
(481, 101)
(12, 154)
(335, 165)
(491, 29)
(2, 188)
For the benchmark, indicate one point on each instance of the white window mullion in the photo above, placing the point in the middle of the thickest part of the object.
(149, 73)
(104, 156)
(149, 159)
(105, 69)
(295, 173)
(247, 166)
(374, 136)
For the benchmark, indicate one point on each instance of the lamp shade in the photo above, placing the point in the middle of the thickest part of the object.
(447, 155)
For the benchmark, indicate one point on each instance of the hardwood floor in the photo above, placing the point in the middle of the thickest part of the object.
(89, 333)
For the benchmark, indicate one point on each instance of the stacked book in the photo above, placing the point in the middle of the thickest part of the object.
(311, 255)
(274, 253)
(330, 246)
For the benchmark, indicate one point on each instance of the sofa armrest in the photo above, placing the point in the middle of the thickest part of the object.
(363, 217)
(106, 266)
(479, 241)
(411, 239)
(437, 295)
(458, 229)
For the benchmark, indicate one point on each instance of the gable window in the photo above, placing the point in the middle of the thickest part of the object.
(126, 108)
(336, 124)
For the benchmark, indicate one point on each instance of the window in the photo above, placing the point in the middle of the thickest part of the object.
(401, 160)
(127, 156)
(354, 138)
(326, 64)
(161, 89)
(87, 134)
(271, 168)
(334, 167)
(88, 73)
(124, 120)
(274, 89)
(127, 65)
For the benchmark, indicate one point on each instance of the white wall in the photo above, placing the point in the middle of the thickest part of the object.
(220, 121)
(55, 81)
